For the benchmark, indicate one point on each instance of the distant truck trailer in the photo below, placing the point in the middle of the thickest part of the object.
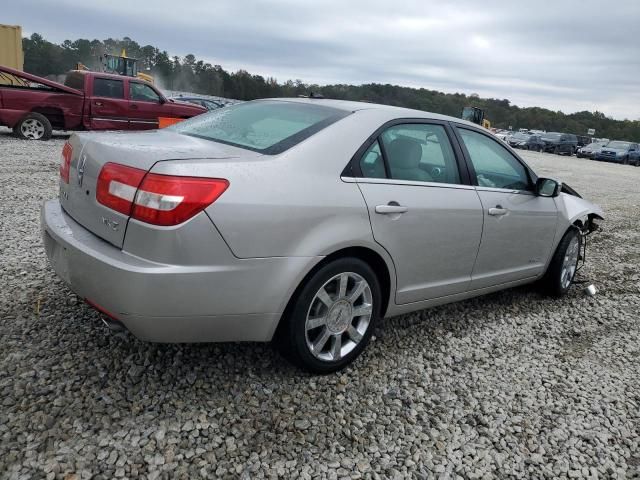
(11, 54)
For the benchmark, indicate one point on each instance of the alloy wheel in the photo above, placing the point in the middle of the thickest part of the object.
(32, 129)
(570, 262)
(339, 316)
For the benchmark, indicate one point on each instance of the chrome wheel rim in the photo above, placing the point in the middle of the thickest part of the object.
(338, 317)
(570, 262)
(32, 129)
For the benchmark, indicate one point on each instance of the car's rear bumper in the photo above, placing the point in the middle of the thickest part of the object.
(233, 300)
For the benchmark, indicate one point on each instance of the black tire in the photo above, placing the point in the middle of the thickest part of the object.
(33, 126)
(556, 150)
(552, 282)
(625, 161)
(291, 338)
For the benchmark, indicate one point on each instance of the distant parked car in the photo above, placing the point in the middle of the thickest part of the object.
(588, 151)
(526, 141)
(583, 141)
(560, 143)
(504, 135)
(204, 102)
(620, 152)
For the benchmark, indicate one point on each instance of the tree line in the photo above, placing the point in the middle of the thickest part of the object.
(190, 74)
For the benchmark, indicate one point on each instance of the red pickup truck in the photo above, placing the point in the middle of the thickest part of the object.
(32, 106)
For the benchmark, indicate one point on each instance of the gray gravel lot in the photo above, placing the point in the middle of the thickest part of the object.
(508, 385)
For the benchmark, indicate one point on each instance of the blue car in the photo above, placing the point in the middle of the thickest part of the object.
(619, 152)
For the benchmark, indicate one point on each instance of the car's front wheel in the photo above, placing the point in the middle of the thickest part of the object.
(564, 264)
(332, 316)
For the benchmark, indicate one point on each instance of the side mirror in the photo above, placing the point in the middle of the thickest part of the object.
(547, 187)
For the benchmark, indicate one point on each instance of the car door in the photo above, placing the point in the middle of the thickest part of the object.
(420, 208)
(634, 154)
(109, 108)
(519, 226)
(145, 106)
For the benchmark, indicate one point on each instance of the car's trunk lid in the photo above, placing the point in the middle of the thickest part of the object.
(90, 151)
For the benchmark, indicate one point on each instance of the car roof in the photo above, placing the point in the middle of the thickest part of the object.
(394, 112)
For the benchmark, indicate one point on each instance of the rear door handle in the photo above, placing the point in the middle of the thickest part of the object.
(497, 211)
(98, 104)
(387, 209)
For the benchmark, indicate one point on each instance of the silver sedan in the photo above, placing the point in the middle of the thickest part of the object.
(303, 221)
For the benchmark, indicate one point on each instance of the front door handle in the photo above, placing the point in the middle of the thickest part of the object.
(497, 211)
(391, 208)
(134, 107)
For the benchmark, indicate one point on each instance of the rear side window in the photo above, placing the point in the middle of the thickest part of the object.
(106, 87)
(372, 163)
(75, 80)
(266, 126)
(420, 152)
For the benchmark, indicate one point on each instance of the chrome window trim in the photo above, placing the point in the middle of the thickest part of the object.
(504, 190)
(410, 183)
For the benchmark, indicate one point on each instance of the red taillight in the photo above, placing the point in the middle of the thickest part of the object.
(65, 162)
(117, 185)
(157, 199)
(168, 200)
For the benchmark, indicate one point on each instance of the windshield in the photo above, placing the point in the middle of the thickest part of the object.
(616, 144)
(520, 136)
(551, 136)
(265, 126)
(594, 145)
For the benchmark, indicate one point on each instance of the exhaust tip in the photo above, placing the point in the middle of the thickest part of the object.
(113, 325)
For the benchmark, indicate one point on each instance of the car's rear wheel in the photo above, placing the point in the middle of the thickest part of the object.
(564, 264)
(33, 126)
(332, 317)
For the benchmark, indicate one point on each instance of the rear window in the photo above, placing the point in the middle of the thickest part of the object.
(106, 87)
(266, 126)
(75, 80)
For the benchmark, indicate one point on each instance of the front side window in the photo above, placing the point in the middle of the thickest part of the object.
(265, 126)
(495, 167)
(106, 87)
(420, 152)
(142, 93)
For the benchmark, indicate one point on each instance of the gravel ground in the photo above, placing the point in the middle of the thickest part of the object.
(507, 385)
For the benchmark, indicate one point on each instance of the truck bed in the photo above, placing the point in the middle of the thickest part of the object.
(21, 92)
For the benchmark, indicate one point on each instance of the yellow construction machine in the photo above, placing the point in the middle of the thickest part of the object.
(120, 65)
(476, 115)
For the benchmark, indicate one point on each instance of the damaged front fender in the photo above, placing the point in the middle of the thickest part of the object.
(578, 211)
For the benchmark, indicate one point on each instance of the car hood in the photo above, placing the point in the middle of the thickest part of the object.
(614, 150)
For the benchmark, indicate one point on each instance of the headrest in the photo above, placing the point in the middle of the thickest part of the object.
(404, 152)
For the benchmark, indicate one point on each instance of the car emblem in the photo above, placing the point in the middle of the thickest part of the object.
(81, 164)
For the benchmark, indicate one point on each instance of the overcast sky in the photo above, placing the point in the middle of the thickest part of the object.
(567, 55)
